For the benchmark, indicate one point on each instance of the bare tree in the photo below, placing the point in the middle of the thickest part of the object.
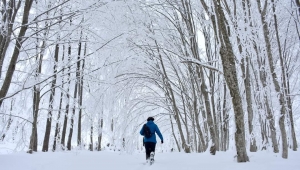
(19, 41)
(9, 13)
(281, 98)
(285, 80)
(9, 121)
(64, 129)
(99, 128)
(230, 75)
(51, 98)
(76, 89)
(80, 95)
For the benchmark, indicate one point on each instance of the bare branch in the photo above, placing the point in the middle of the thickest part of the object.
(17, 117)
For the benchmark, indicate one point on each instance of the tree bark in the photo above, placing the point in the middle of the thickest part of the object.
(230, 75)
(225, 122)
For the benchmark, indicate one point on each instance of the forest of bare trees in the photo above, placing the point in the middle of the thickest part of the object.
(216, 75)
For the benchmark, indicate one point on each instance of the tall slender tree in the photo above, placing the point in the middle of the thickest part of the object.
(230, 75)
(15, 55)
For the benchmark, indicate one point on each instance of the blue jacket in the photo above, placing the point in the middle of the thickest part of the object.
(154, 129)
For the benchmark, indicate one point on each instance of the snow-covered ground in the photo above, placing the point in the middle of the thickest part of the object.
(109, 160)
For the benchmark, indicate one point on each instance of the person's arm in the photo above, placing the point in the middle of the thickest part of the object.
(159, 134)
(142, 131)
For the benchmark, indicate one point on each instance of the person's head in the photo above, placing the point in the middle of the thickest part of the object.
(150, 118)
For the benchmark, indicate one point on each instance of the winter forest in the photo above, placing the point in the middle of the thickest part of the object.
(85, 75)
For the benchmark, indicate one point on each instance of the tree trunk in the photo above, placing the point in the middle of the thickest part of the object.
(76, 89)
(8, 20)
(37, 92)
(215, 114)
(36, 103)
(209, 113)
(10, 120)
(16, 52)
(189, 21)
(91, 146)
(246, 76)
(173, 133)
(245, 69)
(100, 126)
(169, 92)
(268, 110)
(68, 100)
(33, 137)
(58, 125)
(298, 5)
(284, 79)
(225, 120)
(52, 91)
(72, 118)
(80, 97)
(295, 145)
(51, 99)
(282, 100)
(230, 75)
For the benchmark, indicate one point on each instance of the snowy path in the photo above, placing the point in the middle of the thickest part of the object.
(106, 160)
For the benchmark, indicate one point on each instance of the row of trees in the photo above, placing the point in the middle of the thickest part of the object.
(43, 61)
(205, 69)
(247, 66)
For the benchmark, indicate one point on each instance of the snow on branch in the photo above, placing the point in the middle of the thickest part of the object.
(16, 116)
(205, 65)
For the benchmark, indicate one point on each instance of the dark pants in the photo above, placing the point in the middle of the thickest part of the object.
(150, 147)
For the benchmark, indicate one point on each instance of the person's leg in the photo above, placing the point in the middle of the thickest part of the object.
(152, 146)
(148, 149)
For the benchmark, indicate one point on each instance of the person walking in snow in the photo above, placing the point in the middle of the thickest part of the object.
(148, 131)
